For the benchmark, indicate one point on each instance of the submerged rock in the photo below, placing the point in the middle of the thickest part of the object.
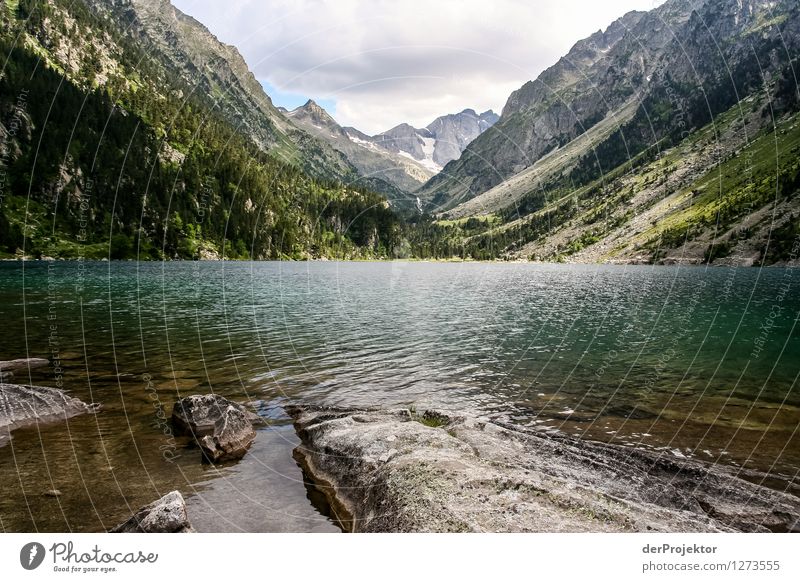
(8, 367)
(23, 364)
(394, 471)
(166, 515)
(222, 429)
(22, 406)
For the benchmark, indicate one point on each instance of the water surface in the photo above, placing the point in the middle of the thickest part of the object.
(689, 361)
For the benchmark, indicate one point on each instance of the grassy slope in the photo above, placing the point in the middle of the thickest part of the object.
(720, 194)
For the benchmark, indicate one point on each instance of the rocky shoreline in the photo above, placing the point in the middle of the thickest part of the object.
(400, 471)
(397, 471)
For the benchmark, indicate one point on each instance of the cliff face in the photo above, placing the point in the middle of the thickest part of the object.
(454, 132)
(441, 141)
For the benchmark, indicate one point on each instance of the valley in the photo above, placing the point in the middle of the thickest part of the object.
(319, 285)
(632, 148)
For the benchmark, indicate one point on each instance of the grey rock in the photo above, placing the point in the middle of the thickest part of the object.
(404, 138)
(451, 134)
(22, 406)
(454, 132)
(166, 515)
(393, 471)
(221, 428)
(315, 115)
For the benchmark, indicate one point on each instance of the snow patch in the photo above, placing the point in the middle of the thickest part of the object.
(427, 164)
(362, 142)
(358, 140)
(428, 145)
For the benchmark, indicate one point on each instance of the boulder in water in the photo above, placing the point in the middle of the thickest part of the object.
(23, 364)
(166, 515)
(221, 428)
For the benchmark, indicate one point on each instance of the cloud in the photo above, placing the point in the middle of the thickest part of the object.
(384, 62)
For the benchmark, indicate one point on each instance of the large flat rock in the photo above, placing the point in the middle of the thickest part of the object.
(22, 406)
(394, 471)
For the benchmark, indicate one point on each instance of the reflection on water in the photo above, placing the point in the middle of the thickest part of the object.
(695, 362)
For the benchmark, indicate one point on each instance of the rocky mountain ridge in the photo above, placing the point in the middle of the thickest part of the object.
(218, 74)
(404, 156)
(611, 153)
(599, 75)
(441, 141)
(397, 176)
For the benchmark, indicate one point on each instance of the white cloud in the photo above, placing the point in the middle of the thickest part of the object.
(389, 61)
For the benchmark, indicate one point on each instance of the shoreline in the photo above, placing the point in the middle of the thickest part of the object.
(688, 263)
(397, 470)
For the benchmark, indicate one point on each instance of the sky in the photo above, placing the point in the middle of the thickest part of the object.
(376, 63)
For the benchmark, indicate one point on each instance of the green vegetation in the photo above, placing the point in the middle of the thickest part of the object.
(105, 155)
(739, 185)
(783, 242)
(471, 223)
(127, 170)
(430, 418)
(715, 201)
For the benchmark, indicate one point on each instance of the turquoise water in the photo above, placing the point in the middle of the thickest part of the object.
(692, 361)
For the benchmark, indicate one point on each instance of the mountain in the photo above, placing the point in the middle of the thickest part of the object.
(217, 74)
(403, 156)
(670, 136)
(440, 142)
(128, 131)
(454, 132)
(419, 153)
(393, 175)
(599, 76)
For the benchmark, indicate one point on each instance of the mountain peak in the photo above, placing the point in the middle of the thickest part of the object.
(315, 113)
(400, 129)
